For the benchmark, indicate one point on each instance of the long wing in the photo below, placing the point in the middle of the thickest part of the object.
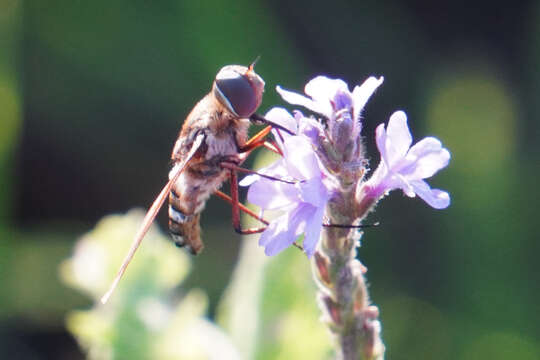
(151, 214)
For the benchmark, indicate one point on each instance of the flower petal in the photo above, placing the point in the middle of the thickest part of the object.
(313, 191)
(301, 160)
(284, 230)
(398, 181)
(270, 195)
(425, 146)
(398, 138)
(282, 117)
(277, 169)
(381, 139)
(342, 99)
(362, 93)
(435, 198)
(322, 90)
(376, 186)
(277, 232)
(248, 180)
(425, 158)
(310, 128)
(296, 99)
(313, 231)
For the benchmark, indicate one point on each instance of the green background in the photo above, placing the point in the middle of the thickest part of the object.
(93, 94)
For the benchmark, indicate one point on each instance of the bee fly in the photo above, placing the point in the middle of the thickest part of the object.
(212, 143)
(221, 120)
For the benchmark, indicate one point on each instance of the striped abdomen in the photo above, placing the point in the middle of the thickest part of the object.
(185, 229)
(186, 201)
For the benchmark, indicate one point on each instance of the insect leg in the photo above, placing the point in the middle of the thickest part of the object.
(234, 167)
(256, 141)
(259, 140)
(237, 206)
(236, 209)
(258, 119)
(271, 145)
(242, 207)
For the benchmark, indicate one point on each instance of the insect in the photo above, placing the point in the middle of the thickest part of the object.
(220, 119)
(211, 145)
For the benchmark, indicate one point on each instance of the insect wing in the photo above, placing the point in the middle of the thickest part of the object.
(151, 214)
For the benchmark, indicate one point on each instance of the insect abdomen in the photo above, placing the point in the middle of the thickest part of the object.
(185, 229)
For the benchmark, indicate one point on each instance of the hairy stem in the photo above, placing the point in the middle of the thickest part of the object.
(343, 295)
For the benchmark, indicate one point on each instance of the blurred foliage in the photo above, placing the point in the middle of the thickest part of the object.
(92, 95)
(10, 101)
(270, 309)
(268, 313)
(290, 314)
(406, 313)
(138, 322)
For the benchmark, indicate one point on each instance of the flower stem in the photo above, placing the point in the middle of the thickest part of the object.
(343, 295)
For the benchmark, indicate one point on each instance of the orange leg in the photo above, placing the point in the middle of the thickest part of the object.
(236, 209)
(241, 206)
(257, 140)
(237, 206)
(271, 145)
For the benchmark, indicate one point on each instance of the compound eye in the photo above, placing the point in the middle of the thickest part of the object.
(235, 91)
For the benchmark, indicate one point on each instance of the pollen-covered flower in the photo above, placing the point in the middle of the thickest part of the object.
(303, 202)
(404, 167)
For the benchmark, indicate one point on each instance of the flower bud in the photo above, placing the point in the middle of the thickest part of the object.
(323, 271)
(332, 309)
(342, 127)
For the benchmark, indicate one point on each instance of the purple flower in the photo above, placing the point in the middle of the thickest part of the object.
(404, 167)
(298, 125)
(303, 202)
(332, 98)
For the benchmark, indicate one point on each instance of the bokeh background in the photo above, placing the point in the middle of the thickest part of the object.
(93, 94)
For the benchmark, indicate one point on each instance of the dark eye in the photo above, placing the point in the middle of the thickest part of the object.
(235, 91)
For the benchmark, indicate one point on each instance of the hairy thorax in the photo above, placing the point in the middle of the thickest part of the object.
(224, 134)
